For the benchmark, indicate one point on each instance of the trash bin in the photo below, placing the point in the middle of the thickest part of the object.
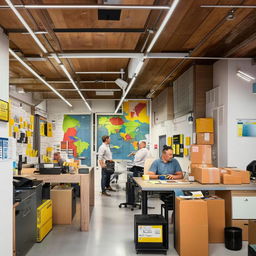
(233, 238)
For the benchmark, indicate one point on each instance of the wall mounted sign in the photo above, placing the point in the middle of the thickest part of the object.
(246, 128)
(4, 111)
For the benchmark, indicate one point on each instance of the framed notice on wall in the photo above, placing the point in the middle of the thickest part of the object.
(4, 111)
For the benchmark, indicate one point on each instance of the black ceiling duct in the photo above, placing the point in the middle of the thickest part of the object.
(109, 14)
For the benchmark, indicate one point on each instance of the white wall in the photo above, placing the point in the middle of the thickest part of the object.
(238, 102)
(5, 166)
(78, 106)
(241, 104)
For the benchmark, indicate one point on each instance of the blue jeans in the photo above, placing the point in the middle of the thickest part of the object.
(105, 180)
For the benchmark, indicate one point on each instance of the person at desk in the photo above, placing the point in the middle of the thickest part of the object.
(139, 159)
(60, 161)
(166, 165)
(104, 156)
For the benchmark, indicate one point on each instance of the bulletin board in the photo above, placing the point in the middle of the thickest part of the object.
(178, 145)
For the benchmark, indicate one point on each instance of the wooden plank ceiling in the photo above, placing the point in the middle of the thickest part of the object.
(199, 31)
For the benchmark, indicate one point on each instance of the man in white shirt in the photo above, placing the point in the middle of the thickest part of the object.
(139, 159)
(105, 155)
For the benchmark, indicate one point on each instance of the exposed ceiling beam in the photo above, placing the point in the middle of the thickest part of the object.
(99, 72)
(39, 77)
(230, 6)
(98, 55)
(35, 81)
(81, 30)
(73, 6)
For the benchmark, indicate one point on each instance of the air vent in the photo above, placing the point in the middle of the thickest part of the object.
(109, 14)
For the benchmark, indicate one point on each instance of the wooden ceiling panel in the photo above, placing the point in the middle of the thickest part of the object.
(19, 70)
(99, 64)
(86, 18)
(98, 41)
(26, 43)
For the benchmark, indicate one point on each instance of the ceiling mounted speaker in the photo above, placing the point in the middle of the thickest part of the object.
(121, 83)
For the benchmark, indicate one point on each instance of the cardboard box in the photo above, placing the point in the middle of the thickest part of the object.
(193, 166)
(201, 154)
(252, 232)
(243, 224)
(62, 205)
(207, 175)
(245, 175)
(204, 125)
(205, 138)
(230, 179)
(216, 219)
(191, 230)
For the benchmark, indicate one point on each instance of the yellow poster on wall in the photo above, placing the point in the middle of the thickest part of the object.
(169, 141)
(187, 141)
(4, 111)
(42, 129)
(49, 129)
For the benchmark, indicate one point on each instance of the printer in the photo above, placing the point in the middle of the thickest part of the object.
(51, 168)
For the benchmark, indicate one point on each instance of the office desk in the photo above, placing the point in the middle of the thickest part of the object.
(148, 187)
(86, 190)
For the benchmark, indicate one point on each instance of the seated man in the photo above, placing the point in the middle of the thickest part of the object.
(139, 159)
(166, 165)
(60, 161)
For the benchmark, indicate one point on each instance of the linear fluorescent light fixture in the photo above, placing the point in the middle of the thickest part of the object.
(152, 43)
(65, 6)
(163, 24)
(245, 75)
(25, 24)
(38, 76)
(74, 84)
(99, 72)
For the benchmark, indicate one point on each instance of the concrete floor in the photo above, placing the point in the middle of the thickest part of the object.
(111, 232)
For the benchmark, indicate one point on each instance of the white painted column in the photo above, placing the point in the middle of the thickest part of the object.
(6, 194)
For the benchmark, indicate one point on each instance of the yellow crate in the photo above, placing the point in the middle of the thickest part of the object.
(44, 213)
(44, 230)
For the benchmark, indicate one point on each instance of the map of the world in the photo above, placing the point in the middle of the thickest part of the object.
(77, 131)
(125, 130)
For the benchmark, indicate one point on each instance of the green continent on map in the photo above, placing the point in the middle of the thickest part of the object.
(130, 128)
(104, 121)
(69, 122)
(81, 146)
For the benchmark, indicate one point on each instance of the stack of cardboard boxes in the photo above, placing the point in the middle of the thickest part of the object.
(201, 153)
(198, 223)
(201, 159)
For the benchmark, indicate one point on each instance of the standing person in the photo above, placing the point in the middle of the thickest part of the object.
(139, 159)
(105, 156)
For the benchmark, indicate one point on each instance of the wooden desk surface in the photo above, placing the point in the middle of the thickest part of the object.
(58, 178)
(146, 186)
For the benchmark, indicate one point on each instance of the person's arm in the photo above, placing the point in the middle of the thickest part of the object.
(178, 172)
(153, 170)
(100, 157)
(176, 176)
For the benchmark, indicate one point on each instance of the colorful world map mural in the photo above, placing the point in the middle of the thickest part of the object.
(125, 130)
(77, 131)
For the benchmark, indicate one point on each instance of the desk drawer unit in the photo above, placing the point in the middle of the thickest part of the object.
(243, 207)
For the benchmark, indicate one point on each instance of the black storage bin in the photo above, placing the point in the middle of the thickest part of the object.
(46, 191)
(233, 238)
(155, 228)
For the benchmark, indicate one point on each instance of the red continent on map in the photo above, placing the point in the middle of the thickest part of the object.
(128, 137)
(71, 132)
(116, 121)
(139, 107)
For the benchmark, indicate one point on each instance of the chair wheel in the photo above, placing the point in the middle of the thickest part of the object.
(120, 206)
(125, 206)
(132, 209)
